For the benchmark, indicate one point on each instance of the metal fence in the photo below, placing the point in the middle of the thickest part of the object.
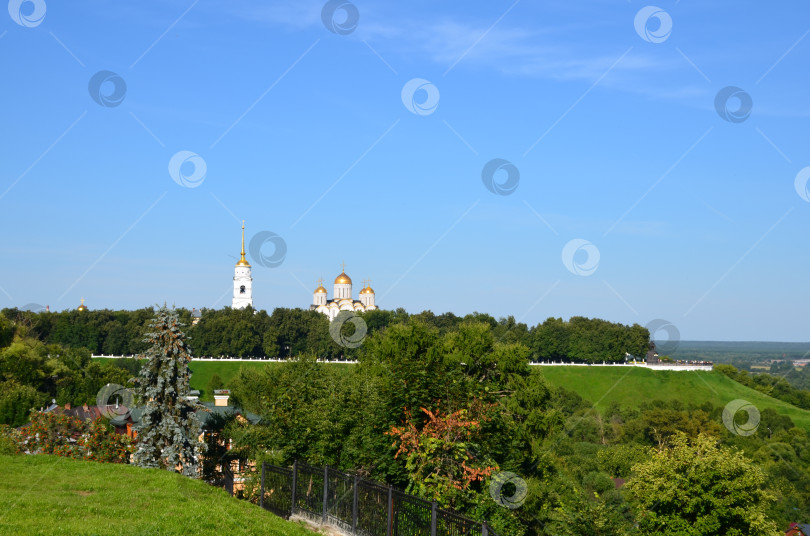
(357, 506)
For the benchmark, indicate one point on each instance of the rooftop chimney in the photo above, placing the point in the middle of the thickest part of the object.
(221, 397)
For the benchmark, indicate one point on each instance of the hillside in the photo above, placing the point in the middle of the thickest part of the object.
(52, 495)
(635, 386)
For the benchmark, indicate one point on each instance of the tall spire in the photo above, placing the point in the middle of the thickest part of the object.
(243, 261)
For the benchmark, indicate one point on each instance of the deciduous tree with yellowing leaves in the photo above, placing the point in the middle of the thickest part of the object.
(443, 456)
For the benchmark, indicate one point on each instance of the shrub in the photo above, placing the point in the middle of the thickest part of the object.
(9, 441)
(62, 435)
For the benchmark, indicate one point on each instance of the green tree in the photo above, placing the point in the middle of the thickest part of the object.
(6, 331)
(214, 384)
(698, 488)
(598, 512)
(17, 401)
(24, 361)
(440, 456)
(169, 430)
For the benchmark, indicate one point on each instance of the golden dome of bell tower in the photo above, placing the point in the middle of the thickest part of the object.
(243, 261)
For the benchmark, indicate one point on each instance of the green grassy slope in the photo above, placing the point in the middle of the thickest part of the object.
(634, 386)
(52, 495)
(202, 371)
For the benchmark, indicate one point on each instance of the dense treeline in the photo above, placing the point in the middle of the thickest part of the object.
(33, 373)
(742, 355)
(292, 332)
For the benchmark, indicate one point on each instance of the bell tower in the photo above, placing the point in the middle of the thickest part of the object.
(242, 280)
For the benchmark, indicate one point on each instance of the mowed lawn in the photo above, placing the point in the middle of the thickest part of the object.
(53, 495)
(636, 386)
(202, 371)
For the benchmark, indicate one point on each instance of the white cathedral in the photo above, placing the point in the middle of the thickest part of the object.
(341, 301)
(342, 297)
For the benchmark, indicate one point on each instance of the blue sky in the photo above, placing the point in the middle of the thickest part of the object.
(612, 127)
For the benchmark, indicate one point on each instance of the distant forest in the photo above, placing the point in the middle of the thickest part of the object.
(741, 354)
(292, 332)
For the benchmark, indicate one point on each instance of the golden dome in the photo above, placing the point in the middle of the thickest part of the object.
(320, 290)
(343, 279)
(82, 307)
(367, 290)
(243, 261)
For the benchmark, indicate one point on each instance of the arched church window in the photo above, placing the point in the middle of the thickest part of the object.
(242, 289)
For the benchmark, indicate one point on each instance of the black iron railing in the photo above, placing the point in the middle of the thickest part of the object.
(356, 505)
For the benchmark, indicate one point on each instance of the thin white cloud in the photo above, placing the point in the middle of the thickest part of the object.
(554, 52)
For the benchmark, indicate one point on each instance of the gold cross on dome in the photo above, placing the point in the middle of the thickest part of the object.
(343, 266)
(320, 282)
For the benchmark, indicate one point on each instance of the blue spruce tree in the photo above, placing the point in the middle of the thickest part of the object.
(169, 430)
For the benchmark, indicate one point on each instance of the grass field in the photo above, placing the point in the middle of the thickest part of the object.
(635, 386)
(202, 371)
(52, 495)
